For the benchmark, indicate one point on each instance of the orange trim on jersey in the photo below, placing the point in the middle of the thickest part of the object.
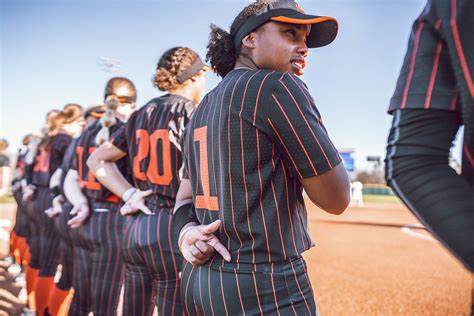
(285, 19)
(459, 49)
(434, 71)
(468, 155)
(412, 63)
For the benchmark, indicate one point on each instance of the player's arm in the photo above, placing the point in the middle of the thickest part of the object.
(102, 164)
(417, 169)
(295, 126)
(54, 188)
(196, 242)
(74, 194)
(330, 191)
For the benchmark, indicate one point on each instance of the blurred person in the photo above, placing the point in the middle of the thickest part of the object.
(43, 240)
(4, 167)
(434, 97)
(70, 257)
(19, 246)
(252, 145)
(151, 142)
(357, 196)
(98, 209)
(28, 204)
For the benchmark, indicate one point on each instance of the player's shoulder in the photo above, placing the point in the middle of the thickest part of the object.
(283, 84)
(276, 80)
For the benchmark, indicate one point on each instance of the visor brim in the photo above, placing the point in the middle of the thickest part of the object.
(323, 28)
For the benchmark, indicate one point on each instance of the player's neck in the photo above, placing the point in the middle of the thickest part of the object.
(187, 91)
(245, 61)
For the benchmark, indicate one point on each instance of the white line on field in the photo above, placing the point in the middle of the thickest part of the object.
(407, 229)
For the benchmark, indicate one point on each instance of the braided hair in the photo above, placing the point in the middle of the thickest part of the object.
(173, 62)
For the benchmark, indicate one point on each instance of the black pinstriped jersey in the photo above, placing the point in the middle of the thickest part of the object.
(48, 158)
(67, 161)
(438, 70)
(247, 146)
(86, 145)
(152, 140)
(20, 166)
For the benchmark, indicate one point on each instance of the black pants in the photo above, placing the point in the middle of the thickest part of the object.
(270, 289)
(153, 263)
(104, 232)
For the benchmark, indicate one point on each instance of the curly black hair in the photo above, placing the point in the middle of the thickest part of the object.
(221, 51)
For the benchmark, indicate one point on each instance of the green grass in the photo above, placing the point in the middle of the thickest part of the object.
(381, 198)
(7, 199)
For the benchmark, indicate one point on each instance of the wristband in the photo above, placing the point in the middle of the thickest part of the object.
(183, 215)
(55, 192)
(128, 194)
(181, 236)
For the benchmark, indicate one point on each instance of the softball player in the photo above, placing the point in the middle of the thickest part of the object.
(62, 295)
(252, 145)
(151, 139)
(92, 201)
(44, 242)
(20, 230)
(434, 97)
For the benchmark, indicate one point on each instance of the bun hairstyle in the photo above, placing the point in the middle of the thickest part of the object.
(56, 120)
(221, 50)
(118, 91)
(173, 62)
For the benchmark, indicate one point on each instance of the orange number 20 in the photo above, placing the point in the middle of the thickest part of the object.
(148, 144)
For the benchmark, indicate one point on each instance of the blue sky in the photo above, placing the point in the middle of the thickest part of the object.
(50, 51)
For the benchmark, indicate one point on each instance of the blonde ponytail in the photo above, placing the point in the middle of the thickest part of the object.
(107, 120)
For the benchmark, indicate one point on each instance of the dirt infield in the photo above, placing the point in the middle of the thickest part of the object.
(365, 263)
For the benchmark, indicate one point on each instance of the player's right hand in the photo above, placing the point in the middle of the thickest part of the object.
(198, 243)
(136, 203)
(82, 212)
(29, 192)
(57, 204)
(51, 212)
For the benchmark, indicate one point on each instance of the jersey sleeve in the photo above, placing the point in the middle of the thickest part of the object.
(426, 79)
(184, 169)
(295, 126)
(74, 160)
(119, 138)
(60, 145)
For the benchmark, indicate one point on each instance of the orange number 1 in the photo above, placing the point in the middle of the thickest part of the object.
(205, 201)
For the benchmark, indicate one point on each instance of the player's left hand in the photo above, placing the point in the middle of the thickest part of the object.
(198, 243)
(82, 212)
